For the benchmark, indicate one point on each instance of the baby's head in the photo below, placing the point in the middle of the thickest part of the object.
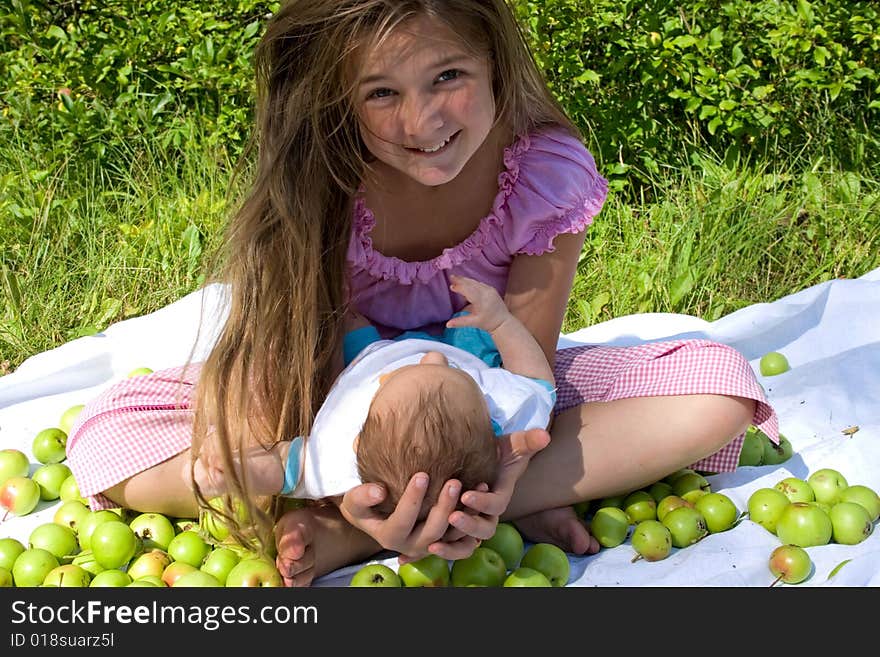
(427, 417)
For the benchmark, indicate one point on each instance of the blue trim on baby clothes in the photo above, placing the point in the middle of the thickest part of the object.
(473, 340)
(356, 341)
(292, 467)
(496, 428)
(550, 388)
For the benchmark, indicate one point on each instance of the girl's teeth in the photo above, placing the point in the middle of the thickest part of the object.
(436, 148)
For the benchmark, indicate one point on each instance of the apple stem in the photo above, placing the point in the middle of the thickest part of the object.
(776, 581)
(636, 558)
(5, 516)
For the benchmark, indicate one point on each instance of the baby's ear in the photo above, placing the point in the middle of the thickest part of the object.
(354, 444)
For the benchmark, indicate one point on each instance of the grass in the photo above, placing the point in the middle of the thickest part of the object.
(84, 245)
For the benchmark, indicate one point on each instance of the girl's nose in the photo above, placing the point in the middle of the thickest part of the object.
(422, 118)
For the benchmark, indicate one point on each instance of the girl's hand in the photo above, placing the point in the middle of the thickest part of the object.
(486, 307)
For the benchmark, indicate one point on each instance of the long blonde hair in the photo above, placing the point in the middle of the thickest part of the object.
(283, 254)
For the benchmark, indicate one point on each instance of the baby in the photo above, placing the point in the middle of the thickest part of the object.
(429, 404)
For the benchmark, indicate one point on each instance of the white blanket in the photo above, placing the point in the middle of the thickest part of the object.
(828, 332)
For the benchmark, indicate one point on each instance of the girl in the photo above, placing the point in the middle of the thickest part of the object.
(401, 142)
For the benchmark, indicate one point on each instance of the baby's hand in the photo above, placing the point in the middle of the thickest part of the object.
(486, 307)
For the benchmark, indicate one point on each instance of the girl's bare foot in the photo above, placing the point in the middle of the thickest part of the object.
(561, 527)
(316, 540)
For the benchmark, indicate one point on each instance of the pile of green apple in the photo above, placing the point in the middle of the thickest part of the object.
(758, 449)
(501, 561)
(118, 547)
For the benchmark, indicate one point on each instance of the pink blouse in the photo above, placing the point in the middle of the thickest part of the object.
(549, 186)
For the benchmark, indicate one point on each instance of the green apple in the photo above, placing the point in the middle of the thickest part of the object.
(765, 506)
(790, 564)
(430, 571)
(152, 562)
(773, 363)
(804, 525)
(215, 524)
(70, 491)
(19, 495)
(609, 526)
(776, 454)
(582, 508)
(185, 524)
(86, 560)
(660, 489)
(70, 514)
(526, 577)
(219, 562)
(189, 547)
(172, 572)
(484, 567)
(197, 578)
(612, 500)
(50, 477)
(32, 566)
(865, 496)
(508, 542)
(692, 496)
(112, 578)
(719, 511)
(88, 524)
(254, 572)
(57, 539)
(688, 482)
(669, 503)
(376, 574)
(686, 526)
(68, 417)
(670, 478)
(113, 544)
(10, 548)
(640, 505)
(850, 523)
(795, 489)
(139, 371)
(68, 575)
(149, 581)
(550, 560)
(49, 445)
(752, 452)
(6, 580)
(827, 485)
(13, 463)
(154, 529)
(652, 540)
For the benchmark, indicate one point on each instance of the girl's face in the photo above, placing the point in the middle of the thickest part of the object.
(424, 102)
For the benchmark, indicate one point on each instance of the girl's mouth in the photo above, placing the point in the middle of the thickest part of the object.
(437, 148)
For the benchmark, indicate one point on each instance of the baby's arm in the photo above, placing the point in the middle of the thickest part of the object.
(520, 352)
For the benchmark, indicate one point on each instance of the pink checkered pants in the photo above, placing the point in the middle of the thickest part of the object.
(141, 421)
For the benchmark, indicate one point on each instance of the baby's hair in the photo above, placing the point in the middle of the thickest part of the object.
(426, 435)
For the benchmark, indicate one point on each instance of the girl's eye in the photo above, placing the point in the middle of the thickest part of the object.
(379, 93)
(451, 74)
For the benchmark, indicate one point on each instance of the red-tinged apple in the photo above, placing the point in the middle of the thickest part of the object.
(197, 578)
(152, 562)
(850, 523)
(526, 577)
(32, 566)
(220, 562)
(57, 539)
(651, 540)
(375, 575)
(86, 560)
(827, 485)
(154, 529)
(10, 548)
(795, 489)
(113, 544)
(508, 542)
(189, 547)
(70, 514)
(865, 496)
(431, 571)
(659, 489)
(790, 564)
(550, 560)
(19, 495)
(686, 526)
(6, 578)
(484, 567)
(70, 491)
(68, 417)
(639, 505)
(765, 506)
(88, 524)
(49, 445)
(50, 477)
(150, 581)
(719, 511)
(804, 524)
(139, 371)
(68, 576)
(110, 579)
(609, 526)
(776, 454)
(13, 463)
(669, 503)
(173, 571)
(254, 572)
